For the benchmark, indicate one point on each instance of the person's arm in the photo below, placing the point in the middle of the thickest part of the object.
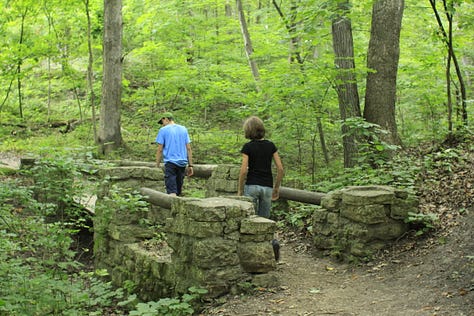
(190, 170)
(159, 154)
(279, 176)
(243, 174)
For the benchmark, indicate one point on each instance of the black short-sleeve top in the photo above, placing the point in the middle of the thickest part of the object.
(260, 153)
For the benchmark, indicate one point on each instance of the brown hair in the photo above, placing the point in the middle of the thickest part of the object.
(253, 128)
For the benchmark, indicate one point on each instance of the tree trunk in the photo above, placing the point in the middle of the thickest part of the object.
(248, 43)
(382, 60)
(301, 195)
(20, 62)
(448, 40)
(90, 71)
(110, 137)
(290, 26)
(346, 85)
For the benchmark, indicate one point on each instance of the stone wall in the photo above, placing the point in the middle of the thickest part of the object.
(356, 222)
(214, 243)
(217, 242)
(223, 181)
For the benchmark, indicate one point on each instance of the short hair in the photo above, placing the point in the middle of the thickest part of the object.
(254, 128)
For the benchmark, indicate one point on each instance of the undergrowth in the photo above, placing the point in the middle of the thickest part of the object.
(39, 272)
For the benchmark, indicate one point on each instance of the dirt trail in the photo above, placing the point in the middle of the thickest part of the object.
(434, 276)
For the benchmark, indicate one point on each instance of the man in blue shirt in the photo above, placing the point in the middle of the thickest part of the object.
(174, 145)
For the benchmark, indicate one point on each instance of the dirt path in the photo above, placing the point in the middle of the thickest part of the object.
(434, 276)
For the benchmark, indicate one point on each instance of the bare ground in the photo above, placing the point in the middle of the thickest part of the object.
(425, 276)
(428, 277)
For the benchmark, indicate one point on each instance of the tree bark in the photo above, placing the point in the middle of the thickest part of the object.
(448, 40)
(382, 60)
(110, 137)
(158, 198)
(90, 71)
(346, 85)
(301, 195)
(248, 43)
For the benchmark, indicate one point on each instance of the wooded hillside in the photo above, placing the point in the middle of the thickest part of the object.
(301, 66)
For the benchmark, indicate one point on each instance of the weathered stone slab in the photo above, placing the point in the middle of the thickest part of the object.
(120, 173)
(368, 214)
(364, 195)
(129, 233)
(256, 257)
(256, 225)
(215, 252)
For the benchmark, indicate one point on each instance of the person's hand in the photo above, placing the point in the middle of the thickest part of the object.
(275, 194)
(189, 171)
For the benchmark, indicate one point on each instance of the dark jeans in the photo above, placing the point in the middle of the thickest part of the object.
(174, 178)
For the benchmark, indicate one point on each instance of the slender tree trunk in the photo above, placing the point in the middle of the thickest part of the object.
(449, 94)
(382, 60)
(20, 62)
(449, 45)
(248, 43)
(110, 137)
(47, 12)
(291, 28)
(346, 86)
(90, 76)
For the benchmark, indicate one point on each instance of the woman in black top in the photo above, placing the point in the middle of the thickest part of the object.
(255, 178)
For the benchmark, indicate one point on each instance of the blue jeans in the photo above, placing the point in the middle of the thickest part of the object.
(174, 178)
(262, 198)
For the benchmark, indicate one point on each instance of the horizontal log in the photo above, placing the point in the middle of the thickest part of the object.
(301, 195)
(157, 198)
(200, 171)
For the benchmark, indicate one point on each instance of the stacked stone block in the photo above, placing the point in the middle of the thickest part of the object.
(223, 181)
(133, 177)
(214, 243)
(356, 222)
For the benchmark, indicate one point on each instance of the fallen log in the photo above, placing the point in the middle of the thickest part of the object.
(157, 198)
(301, 195)
(200, 171)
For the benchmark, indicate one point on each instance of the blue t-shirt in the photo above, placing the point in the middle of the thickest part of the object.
(174, 138)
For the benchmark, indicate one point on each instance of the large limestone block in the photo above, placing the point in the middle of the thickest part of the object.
(182, 225)
(257, 257)
(364, 195)
(402, 207)
(206, 210)
(224, 185)
(216, 209)
(129, 233)
(256, 225)
(389, 230)
(368, 214)
(320, 215)
(332, 200)
(120, 173)
(214, 252)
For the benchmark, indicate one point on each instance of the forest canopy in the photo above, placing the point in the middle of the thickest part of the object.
(215, 63)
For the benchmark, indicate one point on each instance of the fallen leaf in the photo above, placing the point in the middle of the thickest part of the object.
(315, 291)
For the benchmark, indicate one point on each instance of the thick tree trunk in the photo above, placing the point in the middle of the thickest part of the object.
(346, 85)
(110, 136)
(382, 60)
